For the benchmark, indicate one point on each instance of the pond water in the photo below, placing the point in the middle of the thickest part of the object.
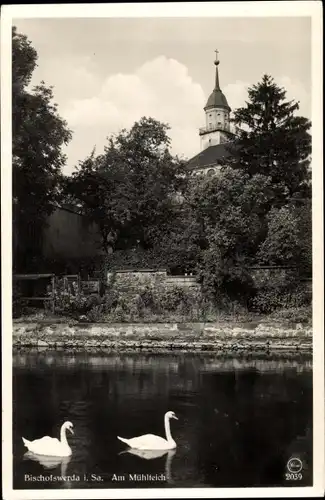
(240, 420)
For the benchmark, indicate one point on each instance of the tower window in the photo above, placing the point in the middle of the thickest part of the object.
(219, 123)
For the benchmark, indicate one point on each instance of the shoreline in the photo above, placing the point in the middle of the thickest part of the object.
(196, 337)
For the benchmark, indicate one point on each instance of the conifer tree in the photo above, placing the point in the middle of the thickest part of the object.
(273, 141)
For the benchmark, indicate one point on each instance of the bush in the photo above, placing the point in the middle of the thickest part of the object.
(294, 314)
(269, 299)
(70, 301)
(174, 303)
(173, 299)
(152, 304)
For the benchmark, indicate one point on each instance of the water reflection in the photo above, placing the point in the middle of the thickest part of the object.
(171, 362)
(49, 462)
(240, 420)
(152, 455)
(57, 465)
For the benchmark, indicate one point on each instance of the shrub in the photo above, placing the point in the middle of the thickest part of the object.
(172, 298)
(95, 314)
(153, 304)
(294, 314)
(174, 303)
(71, 301)
(269, 299)
(147, 299)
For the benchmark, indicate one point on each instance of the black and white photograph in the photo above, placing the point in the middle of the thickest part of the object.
(163, 254)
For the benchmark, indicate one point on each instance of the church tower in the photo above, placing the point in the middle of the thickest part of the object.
(217, 110)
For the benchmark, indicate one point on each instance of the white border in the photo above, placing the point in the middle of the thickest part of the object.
(195, 9)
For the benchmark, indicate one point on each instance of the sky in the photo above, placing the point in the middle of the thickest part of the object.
(107, 73)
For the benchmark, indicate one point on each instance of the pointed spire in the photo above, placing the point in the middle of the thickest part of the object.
(217, 62)
(217, 98)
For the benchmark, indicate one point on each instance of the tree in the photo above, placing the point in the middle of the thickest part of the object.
(273, 141)
(129, 191)
(289, 240)
(38, 136)
(228, 227)
(230, 206)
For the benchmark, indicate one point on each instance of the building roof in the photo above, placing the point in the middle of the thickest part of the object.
(209, 156)
(217, 100)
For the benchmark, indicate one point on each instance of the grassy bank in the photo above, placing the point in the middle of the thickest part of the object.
(288, 317)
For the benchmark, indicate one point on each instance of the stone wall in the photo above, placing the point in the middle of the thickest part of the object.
(188, 282)
(132, 280)
(163, 336)
(260, 275)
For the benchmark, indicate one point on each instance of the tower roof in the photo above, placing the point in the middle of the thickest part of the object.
(217, 99)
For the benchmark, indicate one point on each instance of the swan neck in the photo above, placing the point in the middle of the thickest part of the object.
(63, 435)
(167, 429)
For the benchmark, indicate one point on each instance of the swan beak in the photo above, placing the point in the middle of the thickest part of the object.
(71, 430)
(175, 417)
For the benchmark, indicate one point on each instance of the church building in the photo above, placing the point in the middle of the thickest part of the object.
(217, 131)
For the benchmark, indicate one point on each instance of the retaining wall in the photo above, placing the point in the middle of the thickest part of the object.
(178, 336)
(133, 280)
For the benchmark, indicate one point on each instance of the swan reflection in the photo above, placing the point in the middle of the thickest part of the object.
(151, 455)
(51, 463)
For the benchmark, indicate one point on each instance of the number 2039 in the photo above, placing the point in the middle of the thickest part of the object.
(293, 476)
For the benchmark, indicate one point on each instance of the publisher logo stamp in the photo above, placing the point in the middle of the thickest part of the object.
(294, 465)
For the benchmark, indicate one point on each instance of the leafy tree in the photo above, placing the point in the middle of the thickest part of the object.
(288, 241)
(230, 206)
(38, 135)
(129, 191)
(182, 240)
(225, 215)
(273, 141)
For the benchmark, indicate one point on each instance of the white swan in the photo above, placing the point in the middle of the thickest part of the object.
(152, 442)
(51, 447)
